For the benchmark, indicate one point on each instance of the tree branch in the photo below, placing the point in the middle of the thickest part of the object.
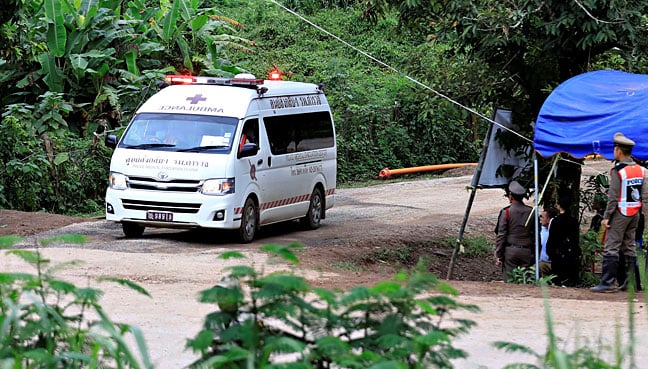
(593, 17)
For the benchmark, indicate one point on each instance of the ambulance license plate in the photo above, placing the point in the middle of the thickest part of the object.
(159, 216)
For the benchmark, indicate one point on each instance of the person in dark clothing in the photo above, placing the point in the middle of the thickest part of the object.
(622, 272)
(599, 205)
(514, 243)
(563, 246)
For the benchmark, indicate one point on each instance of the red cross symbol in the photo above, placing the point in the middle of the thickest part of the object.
(196, 99)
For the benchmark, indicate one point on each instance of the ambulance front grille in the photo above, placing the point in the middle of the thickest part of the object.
(174, 185)
(174, 207)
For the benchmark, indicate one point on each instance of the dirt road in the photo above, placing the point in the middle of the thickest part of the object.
(175, 265)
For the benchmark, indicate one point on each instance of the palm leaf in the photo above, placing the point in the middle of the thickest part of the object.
(170, 19)
(124, 282)
(56, 33)
(53, 75)
(131, 62)
(185, 10)
(284, 251)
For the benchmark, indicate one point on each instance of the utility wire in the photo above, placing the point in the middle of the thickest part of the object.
(399, 72)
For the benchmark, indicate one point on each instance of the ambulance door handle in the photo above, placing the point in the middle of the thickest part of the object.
(269, 161)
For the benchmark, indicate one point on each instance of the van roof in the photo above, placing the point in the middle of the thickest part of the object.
(221, 100)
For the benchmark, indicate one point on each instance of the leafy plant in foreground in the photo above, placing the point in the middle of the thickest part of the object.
(521, 275)
(264, 320)
(46, 322)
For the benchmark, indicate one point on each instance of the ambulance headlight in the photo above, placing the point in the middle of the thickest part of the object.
(218, 186)
(117, 181)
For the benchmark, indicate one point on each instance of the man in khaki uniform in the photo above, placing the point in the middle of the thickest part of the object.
(627, 189)
(514, 244)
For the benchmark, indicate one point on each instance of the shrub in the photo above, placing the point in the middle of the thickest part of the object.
(265, 318)
(51, 170)
(521, 275)
(46, 322)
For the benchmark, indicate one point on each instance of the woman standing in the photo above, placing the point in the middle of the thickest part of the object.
(563, 246)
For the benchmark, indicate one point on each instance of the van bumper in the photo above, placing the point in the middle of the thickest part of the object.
(184, 210)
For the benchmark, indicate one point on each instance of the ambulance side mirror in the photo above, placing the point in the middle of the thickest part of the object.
(111, 141)
(249, 149)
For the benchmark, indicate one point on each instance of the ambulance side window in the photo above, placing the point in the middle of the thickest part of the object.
(249, 135)
(299, 132)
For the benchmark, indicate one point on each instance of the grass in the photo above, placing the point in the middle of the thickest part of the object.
(8, 241)
(472, 246)
(349, 266)
(65, 238)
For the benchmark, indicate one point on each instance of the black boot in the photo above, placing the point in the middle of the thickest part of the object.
(630, 262)
(610, 266)
(637, 278)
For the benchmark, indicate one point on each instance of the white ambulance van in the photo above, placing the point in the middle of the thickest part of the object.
(228, 153)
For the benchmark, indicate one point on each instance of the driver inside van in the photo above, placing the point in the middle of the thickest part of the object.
(163, 134)
(247, 137)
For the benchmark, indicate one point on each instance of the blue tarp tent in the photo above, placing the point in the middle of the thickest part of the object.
(582, 114)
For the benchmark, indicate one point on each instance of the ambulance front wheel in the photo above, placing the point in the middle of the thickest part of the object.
(248, 222)
(132, 230)
(313, 217)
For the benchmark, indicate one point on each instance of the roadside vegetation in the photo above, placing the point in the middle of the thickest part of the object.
(47, 322)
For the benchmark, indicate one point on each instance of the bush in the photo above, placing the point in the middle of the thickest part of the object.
(49, 169)
(263, 319)
(46, 322)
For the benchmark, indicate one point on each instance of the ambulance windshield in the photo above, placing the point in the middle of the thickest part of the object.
(180, 132)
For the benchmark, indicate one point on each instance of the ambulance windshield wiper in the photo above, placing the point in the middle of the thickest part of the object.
(148, 145)
(204, 148)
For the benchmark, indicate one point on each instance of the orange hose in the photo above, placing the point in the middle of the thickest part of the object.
(386, 173)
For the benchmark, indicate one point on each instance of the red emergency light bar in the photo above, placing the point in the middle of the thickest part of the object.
(180, 80)
(246, 81)
(204, 80)
(275, 75)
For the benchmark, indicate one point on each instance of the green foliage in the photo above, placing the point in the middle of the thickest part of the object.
(403, 254)
(46, 322)
(73, 68)
(47, 168)
(593, 193)
(64, 238)
(536, 45)
(262, 318)
(85, 66)
(8, 241)
(475, 247)
(590, 255)
(522, 275)
(94, 62)
(382, 119)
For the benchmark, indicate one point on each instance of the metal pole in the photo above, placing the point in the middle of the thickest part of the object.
(473, 185)
(536, 200)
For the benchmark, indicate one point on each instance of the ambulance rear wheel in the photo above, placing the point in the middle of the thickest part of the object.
(132, 230)
(313, 217)
(248, 222)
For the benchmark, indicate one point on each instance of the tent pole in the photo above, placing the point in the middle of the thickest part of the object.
(473, 190)
(536, 200)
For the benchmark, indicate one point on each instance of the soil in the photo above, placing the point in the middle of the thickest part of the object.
(370, 233)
